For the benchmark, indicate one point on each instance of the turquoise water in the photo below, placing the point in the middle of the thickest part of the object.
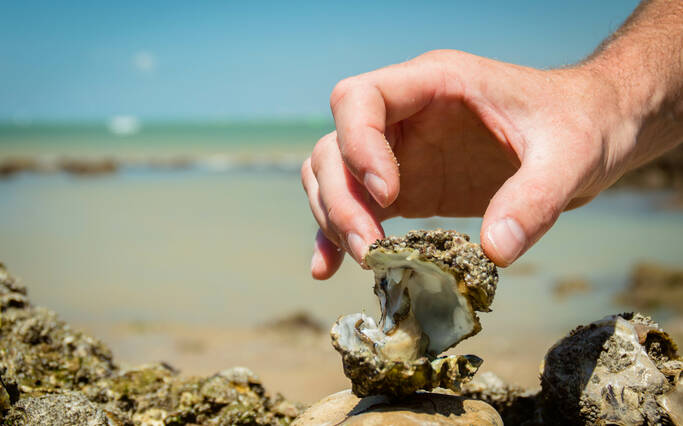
(161, 138)
(232, 247)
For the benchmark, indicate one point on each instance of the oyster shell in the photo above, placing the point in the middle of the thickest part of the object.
(429, 285)
(622, 369)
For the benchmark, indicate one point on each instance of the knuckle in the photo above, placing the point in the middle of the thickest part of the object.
(431, 54)
(354, 161)
(323, 225)
(338, 216)
(542, 199)
(315, 164)
(321, 152)
(305, 167)
(341, 89)
(317, 157)
(329, 235)
(348, 151)
(436, 55)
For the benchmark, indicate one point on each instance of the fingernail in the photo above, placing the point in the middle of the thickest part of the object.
(377, 187)
(357, 246)
(507, 238)
(316, 260)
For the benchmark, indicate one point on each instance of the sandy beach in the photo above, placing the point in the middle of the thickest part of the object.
(164, 268)
(301, 363)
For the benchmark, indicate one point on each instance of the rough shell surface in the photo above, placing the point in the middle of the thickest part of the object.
(51, 374)
(429, 284)
(622, 369)
(374, 375)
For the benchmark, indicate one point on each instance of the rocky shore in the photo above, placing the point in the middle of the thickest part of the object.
(623, 369)
(664, 172)
(53, 374)
(88, 166)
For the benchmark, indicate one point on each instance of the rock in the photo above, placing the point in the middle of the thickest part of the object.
(663, 172)
(569, 286)
(71, 408)
(83, 167)
(516, 406)
(240, 376)
(52, 374)
(299, 321)
(654, 286)
(13, 165)
(12, 293)
(417, 409)
(622, 369)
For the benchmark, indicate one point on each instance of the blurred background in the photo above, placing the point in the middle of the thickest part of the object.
(149, 186)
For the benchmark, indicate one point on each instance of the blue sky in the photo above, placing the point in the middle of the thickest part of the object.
(89, 60)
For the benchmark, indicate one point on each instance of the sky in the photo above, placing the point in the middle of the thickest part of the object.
(196, 60)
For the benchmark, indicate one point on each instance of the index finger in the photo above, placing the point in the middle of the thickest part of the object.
(363, 107)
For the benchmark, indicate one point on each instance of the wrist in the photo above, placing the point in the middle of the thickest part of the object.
(647, 104)
(613, 124)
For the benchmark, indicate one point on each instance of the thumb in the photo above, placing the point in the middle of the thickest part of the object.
(523, 209)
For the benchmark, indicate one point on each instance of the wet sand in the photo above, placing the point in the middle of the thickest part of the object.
(300, 364)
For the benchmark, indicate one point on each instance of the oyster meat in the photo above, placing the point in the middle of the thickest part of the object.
(429, 285)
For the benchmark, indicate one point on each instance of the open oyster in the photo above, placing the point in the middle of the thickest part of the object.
(429, 285)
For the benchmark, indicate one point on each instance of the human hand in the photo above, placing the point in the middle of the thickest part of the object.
(473, 137)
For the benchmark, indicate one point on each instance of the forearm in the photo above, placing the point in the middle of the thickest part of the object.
(643, 63)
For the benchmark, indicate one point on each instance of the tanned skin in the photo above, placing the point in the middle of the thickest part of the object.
(453, 134)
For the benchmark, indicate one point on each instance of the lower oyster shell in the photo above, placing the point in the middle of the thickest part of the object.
(371, 374)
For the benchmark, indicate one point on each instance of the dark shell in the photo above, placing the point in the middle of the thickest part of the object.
(619, 370)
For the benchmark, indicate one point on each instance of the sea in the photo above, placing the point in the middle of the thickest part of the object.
(207, 223)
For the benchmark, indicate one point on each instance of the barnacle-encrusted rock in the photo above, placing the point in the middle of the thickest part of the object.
(52, 374)
(69, 408)
(429, 285)
(622, 369)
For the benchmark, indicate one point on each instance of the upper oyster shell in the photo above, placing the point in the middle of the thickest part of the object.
(429, 284)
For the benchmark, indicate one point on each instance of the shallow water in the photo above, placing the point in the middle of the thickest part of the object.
(230, 246)
(161, 139)
(233, 248)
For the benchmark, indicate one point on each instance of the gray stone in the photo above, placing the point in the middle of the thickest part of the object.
(71, 408)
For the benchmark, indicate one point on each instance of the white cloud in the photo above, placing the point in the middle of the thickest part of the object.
(144, 61)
